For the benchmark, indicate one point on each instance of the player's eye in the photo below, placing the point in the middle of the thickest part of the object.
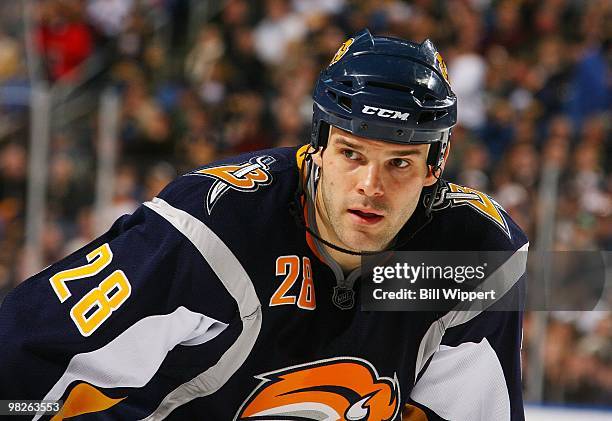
(399, 163)
(350, 154)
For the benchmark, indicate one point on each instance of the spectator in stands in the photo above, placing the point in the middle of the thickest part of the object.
(63, 38)
(277, 30)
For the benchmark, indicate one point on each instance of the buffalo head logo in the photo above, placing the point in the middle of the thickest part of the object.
(342, 388)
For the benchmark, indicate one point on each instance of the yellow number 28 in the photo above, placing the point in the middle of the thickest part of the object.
(98, 304)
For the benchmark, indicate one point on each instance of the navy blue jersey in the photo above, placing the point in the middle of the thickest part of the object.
(210, 302)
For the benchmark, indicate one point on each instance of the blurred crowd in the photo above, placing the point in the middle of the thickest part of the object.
(199, 80)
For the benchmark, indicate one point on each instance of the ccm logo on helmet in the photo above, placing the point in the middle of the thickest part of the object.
(383, 112)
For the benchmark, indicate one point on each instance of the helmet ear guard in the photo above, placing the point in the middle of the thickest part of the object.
(432, 156)
(435, 157)
(320, 134)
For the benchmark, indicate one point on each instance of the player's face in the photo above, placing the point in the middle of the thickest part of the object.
(368, 189)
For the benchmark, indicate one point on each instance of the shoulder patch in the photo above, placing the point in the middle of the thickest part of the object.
(245, 177)
(450, 194)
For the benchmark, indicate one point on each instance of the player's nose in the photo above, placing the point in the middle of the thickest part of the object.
(370, 181)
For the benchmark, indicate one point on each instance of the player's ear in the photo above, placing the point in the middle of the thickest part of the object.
(431, 177)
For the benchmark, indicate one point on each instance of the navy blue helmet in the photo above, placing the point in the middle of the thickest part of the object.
(387, 89)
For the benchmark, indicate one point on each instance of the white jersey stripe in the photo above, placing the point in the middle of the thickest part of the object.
(120, 364)
(238, 283)
(501, 280)
(465, 383)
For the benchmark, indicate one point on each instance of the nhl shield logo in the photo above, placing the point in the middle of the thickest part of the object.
(343, 298)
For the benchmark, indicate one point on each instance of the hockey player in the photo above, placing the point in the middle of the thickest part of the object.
(234, 294)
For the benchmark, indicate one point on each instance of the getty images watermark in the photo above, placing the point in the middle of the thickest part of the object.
(411, 273)
(483, 280)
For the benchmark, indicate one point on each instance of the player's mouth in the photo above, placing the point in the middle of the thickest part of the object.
(366, 216)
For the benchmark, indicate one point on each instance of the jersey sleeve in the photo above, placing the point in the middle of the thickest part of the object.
(113, 328)
(471, 367)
